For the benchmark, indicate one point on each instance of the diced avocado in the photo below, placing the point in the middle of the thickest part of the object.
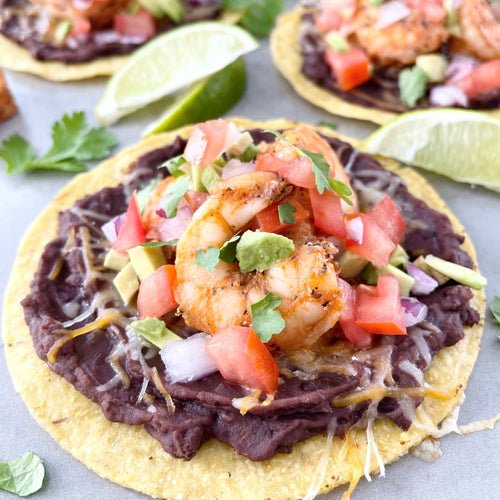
(116, 260)
(209, 176)
(146, 261)
(250, 153)
(258, 251)
(370, 274)
(196, 179)
(337, 42)
(399, 257)
(153, 7)
(173, 8)
(456, 272)
(61, 32)
(351, 265)
(154, 331)
(433, 65)
(421, 264)
(243, 143)
(127, 283)
(405, 281)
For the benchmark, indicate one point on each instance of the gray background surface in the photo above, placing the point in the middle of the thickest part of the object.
(470, 465)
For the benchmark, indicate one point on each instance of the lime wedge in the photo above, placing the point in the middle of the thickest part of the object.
(169, 63)
(463, 145)
(210, 98)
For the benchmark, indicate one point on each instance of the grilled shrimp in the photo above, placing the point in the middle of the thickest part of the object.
(480, 29)
(306, 281)
(421, 32)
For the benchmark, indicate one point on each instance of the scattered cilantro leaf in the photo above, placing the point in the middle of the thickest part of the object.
(285, 213)
(174, 194)
(157, 244)
(145, 193)
(72, 143)
(257, 16)
(343, 190)
(267, 322)
(412, 83)
(320, 169)
(208, 258)
(173, 165)
(228, 250)
(495, 309)
(328, 124)
(22, 476)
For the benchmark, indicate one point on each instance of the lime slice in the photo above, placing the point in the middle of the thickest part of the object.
(463, 145)
(169, 63)
(210, 98)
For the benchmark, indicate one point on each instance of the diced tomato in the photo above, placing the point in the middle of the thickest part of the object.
(328, 20)
(388, 217)
(156, 293)
(378, 309)
(376, 246)
(242, 358)
(195, 199)
(209, 140)
(351, 68)
(141, 24)
(482, 79)
(268, 219)
(327, 213)
(347, 320)
(334, 14)
(131, 232)
(297, 171)
(80, 26)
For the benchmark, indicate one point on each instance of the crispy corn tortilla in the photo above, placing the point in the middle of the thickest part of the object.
(17, 58)
(137, 460)
(285, 50)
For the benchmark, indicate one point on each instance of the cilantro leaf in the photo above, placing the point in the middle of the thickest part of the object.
(228, 250)
(17, 153)
(173, 165)
(285, 213)
(495, 309)
(257, 16)
(72, 143)
(22, 476)
(208, 258)
(145, 193)
(157, 244)
(174, 195)
(412, 83)
(343, 190)
(265, 320)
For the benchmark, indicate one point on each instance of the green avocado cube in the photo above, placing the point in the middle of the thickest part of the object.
(127, 283)
(421, 264)
(243, 143)
(399, 257)
(146, 261)
(405, 280)
(209, 176)
(460, 274)
(351, 265)
(116, 260)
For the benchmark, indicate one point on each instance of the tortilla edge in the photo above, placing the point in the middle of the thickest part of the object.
(84, 436)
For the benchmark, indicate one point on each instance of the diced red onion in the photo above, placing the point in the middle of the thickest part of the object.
(354, 229)
(390, 13)
(236, 167)
(187, 360)
(112, 228)
(459, 67)
(413, 311)
(173, 229)
(448, 95)
(424, 284)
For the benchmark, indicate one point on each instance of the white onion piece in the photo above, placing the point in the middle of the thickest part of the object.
(173, 229)
(354, 228)
(111, 228)
(187, 360)
(413, 311)
(236, 167)
(448, 95)
(390, 13)
(459, 67)
(424, 284)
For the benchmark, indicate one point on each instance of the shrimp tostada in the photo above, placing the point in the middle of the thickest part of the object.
(243, 303)
(76, 39)
(372, 59)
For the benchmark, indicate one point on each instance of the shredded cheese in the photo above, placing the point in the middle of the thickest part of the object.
(161, 388)
(246, 403)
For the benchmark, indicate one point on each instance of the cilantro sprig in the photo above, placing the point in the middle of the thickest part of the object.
(285, 213)
(412, 83)
(174, 194)
(267, 322)
(22, 476)
(257, 16)
(320, 169)
(210, 257)
(73, 143)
